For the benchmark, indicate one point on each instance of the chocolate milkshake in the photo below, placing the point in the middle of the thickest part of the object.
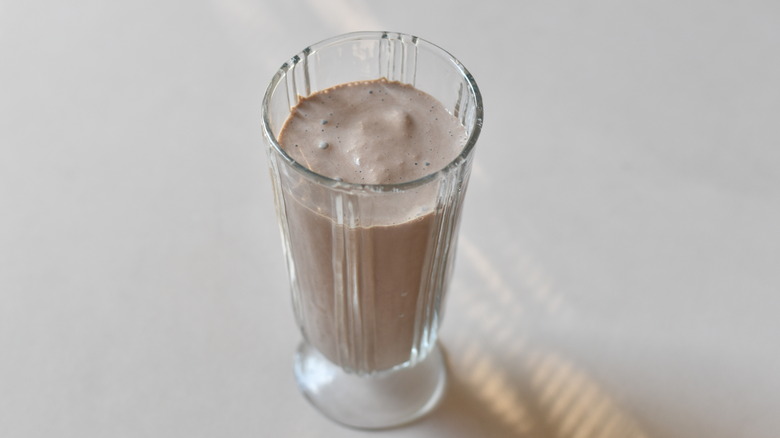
(369, 177)
(367, 284)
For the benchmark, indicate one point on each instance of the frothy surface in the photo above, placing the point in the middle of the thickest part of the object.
(373, 132)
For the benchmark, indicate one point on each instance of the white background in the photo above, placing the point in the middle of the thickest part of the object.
(619, 265)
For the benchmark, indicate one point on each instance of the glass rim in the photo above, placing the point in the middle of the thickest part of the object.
(392, 187)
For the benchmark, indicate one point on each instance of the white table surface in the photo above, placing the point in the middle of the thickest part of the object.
(618, 271)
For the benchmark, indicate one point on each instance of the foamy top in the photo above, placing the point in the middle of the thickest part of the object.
(373, 132)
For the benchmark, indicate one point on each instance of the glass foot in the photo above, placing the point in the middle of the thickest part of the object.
(378, 401)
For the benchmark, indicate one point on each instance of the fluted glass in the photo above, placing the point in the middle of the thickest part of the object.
(369, 265)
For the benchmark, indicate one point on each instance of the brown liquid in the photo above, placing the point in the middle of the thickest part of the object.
(361, 287)
(390, 265)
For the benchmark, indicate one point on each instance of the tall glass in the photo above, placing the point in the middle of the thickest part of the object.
(369, 265)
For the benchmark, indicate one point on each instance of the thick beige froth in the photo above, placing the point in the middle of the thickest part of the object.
(374, 132)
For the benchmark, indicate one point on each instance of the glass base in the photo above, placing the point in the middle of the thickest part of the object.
(387, 399)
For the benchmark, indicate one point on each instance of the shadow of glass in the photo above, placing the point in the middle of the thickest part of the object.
(502, 384)
(462, 414)
(547, 397)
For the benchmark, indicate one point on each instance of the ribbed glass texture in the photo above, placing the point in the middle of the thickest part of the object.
(370, 264)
